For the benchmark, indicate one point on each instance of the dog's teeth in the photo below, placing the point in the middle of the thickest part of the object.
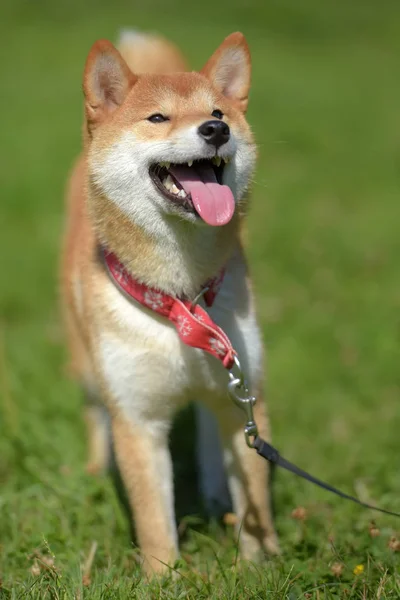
(174, 189)
(217, 160)
(182, 194)
(227, 160)
(190, 163)
(168, 182)
(165, 164)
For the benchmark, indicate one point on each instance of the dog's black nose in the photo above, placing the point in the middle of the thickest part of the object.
(215, 132)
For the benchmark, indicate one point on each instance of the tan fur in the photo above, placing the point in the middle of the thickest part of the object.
(107, 335)
(151, 54)
(141, 477)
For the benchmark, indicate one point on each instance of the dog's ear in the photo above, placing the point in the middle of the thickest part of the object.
(107, 80)
(229, 69)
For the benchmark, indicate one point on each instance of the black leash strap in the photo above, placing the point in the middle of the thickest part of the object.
(272, 455)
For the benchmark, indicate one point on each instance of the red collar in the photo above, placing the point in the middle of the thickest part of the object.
(193, 324)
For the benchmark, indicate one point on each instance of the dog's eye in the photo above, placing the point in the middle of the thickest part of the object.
(157, 118)
(218, 114)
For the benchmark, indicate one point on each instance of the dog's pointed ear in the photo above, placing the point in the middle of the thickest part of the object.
(107, 80)
(229, 69)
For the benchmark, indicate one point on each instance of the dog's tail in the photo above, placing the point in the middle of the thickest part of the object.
(150, 53)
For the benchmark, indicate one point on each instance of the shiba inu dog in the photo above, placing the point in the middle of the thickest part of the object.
(162, 186)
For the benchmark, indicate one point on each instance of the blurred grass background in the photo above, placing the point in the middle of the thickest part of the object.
(324, 246)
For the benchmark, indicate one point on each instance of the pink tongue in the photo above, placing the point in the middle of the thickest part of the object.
(213, 202)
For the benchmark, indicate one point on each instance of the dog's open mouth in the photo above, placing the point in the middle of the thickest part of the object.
(197, 187)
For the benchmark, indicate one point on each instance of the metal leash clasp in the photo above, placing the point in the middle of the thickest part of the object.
(239, 392)
(198, 298)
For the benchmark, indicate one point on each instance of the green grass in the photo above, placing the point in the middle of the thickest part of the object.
(324, 246)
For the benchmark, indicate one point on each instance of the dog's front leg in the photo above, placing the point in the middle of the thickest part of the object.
(144, 461)
(249, 483)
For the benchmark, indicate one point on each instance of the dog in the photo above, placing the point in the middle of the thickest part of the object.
(157, 200)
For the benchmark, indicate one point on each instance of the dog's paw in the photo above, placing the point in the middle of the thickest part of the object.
(253, 548)
(271, 545)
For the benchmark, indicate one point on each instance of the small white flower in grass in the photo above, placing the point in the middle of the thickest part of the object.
(153, 299)
(217, 346)
(184, 326)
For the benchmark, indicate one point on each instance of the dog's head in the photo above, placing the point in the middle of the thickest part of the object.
(176, 144)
